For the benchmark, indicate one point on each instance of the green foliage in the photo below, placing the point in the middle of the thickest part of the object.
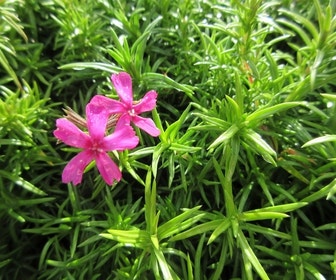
(239, 185)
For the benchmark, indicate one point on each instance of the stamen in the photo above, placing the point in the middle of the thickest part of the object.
(75, 118)
(112, 121)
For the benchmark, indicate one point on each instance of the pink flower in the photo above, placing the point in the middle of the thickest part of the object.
(95, 145)
(129, 109)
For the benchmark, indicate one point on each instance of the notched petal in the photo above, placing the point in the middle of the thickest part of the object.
(123, 84)
(70, 134)
(110, 105)
(73, 171)
(121, 139)
(107, 168)
(147, 125)
(97, 117)
(147, 103)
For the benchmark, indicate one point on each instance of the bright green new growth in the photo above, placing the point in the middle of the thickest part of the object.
(240, 184)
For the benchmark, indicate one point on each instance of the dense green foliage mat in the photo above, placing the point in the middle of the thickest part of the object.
(240, 183)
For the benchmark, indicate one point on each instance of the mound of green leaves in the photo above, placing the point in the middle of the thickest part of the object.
(239, 185)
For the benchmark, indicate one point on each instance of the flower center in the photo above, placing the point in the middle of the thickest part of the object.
(96, 148)
(131, 112)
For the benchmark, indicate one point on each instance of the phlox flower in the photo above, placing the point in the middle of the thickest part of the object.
(126, 107)
(95, 144)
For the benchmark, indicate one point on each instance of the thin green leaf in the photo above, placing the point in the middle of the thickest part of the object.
(261, 114)
(258, 216)
(110, 68)
(22, 183)
(318, 140)
(221, 228)
(225, 136)
(136, 237)
(250, 256)
(179, 223)
(199, 229)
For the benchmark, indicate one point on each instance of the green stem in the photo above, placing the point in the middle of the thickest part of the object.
(231, 154)
(150, 204)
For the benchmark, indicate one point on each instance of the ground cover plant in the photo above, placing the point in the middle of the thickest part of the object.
(167, 139)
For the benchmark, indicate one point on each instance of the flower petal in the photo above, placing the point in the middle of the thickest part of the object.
(70, 134)
(147, 103)
(124, 120)
(122, 138)
(109, 104)
(73, 171)
(147, 125)
(123, 85)
(97, 118)
(107, 168)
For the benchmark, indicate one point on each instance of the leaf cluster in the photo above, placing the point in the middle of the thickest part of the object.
(241, 182)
